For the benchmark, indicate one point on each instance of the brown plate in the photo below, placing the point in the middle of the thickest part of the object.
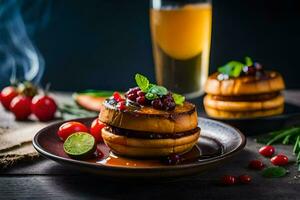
(217, 143)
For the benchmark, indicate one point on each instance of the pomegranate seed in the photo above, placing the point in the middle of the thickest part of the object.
(141, 93)
(256, 164)
(228, 180)
(117, 96)
(121, 105)
(132, 97)
(245, 179)
(157, 104)
(267, 151)
(141, 100)
(280, 160)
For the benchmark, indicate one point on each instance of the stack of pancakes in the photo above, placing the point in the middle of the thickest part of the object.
(244, 96)
(148, 132)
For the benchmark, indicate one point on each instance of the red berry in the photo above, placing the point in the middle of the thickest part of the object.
(43, 107)
(20, 107)
(267, 151)
(157, 104)
(68, 128)
(121, 105)
(132, 97)
(228, 180)
(280, 160)
(117, 96)
(141, 93)
(245, 179)
(96, 128)
(141, 100)
(256, 164)
(7, 95)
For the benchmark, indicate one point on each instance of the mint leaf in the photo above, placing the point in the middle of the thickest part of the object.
(151, 96)
(274, 172)
(248, 61)
(158, 90)
(142, 82)
(179, 99)
(232, 68)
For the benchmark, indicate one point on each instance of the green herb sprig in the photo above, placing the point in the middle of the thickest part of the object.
(155, 91)
(287, 136)
(234, 68)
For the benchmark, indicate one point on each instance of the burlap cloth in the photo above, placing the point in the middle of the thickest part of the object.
(15, 139)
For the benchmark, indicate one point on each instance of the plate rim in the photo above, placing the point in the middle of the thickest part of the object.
(99, 166)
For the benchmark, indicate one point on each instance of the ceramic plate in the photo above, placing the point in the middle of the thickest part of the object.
(218, 142)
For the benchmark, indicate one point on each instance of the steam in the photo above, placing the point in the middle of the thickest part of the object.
(19, 58)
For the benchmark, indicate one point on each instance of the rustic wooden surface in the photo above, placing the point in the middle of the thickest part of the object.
(45, 179)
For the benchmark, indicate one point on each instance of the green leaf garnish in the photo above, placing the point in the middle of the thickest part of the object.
(248, 61)
(158, 90)
(151, 96)
(179, 99)
(155, 91)
(232, 68)
(274, 172)
(142, 82)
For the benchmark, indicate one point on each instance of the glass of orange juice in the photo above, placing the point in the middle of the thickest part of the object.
(181, 37)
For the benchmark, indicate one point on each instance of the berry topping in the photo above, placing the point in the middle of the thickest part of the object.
(249, 70)
(117, 96)
(132, 97)
(157, 104)
(141, 100)
(122, 105)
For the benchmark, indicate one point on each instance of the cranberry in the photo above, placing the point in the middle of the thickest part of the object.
(141, 100)
(168, 104)
(245, 179)
(141, 93)
(121, 105)
(157, 104)
(228, 180)
(267, 151)
(173, 159)
(249, 70)
(132, 97)
(256, 164)
(280, 160)
(117, 96)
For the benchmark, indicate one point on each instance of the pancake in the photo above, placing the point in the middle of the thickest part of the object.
(142, 147)
(245, 85)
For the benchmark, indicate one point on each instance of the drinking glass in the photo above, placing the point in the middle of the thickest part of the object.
(181, 37)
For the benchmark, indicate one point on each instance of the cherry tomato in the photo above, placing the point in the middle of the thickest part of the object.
(68, 128)
(280, 160)
(43, 107)
(256, 164)
(245, 179)
(267, 151)
(7, 95)
(20, 107)
(96, 128)
(228, 180)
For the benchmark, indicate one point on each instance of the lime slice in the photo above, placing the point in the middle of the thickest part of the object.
(80, 145)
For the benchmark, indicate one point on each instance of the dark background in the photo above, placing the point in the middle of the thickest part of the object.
(102, 44)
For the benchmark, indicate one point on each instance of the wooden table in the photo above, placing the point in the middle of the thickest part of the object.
(45, 179)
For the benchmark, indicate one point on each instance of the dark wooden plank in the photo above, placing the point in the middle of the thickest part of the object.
(74, 187)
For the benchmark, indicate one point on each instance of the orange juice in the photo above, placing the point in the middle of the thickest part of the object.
(181, 45)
